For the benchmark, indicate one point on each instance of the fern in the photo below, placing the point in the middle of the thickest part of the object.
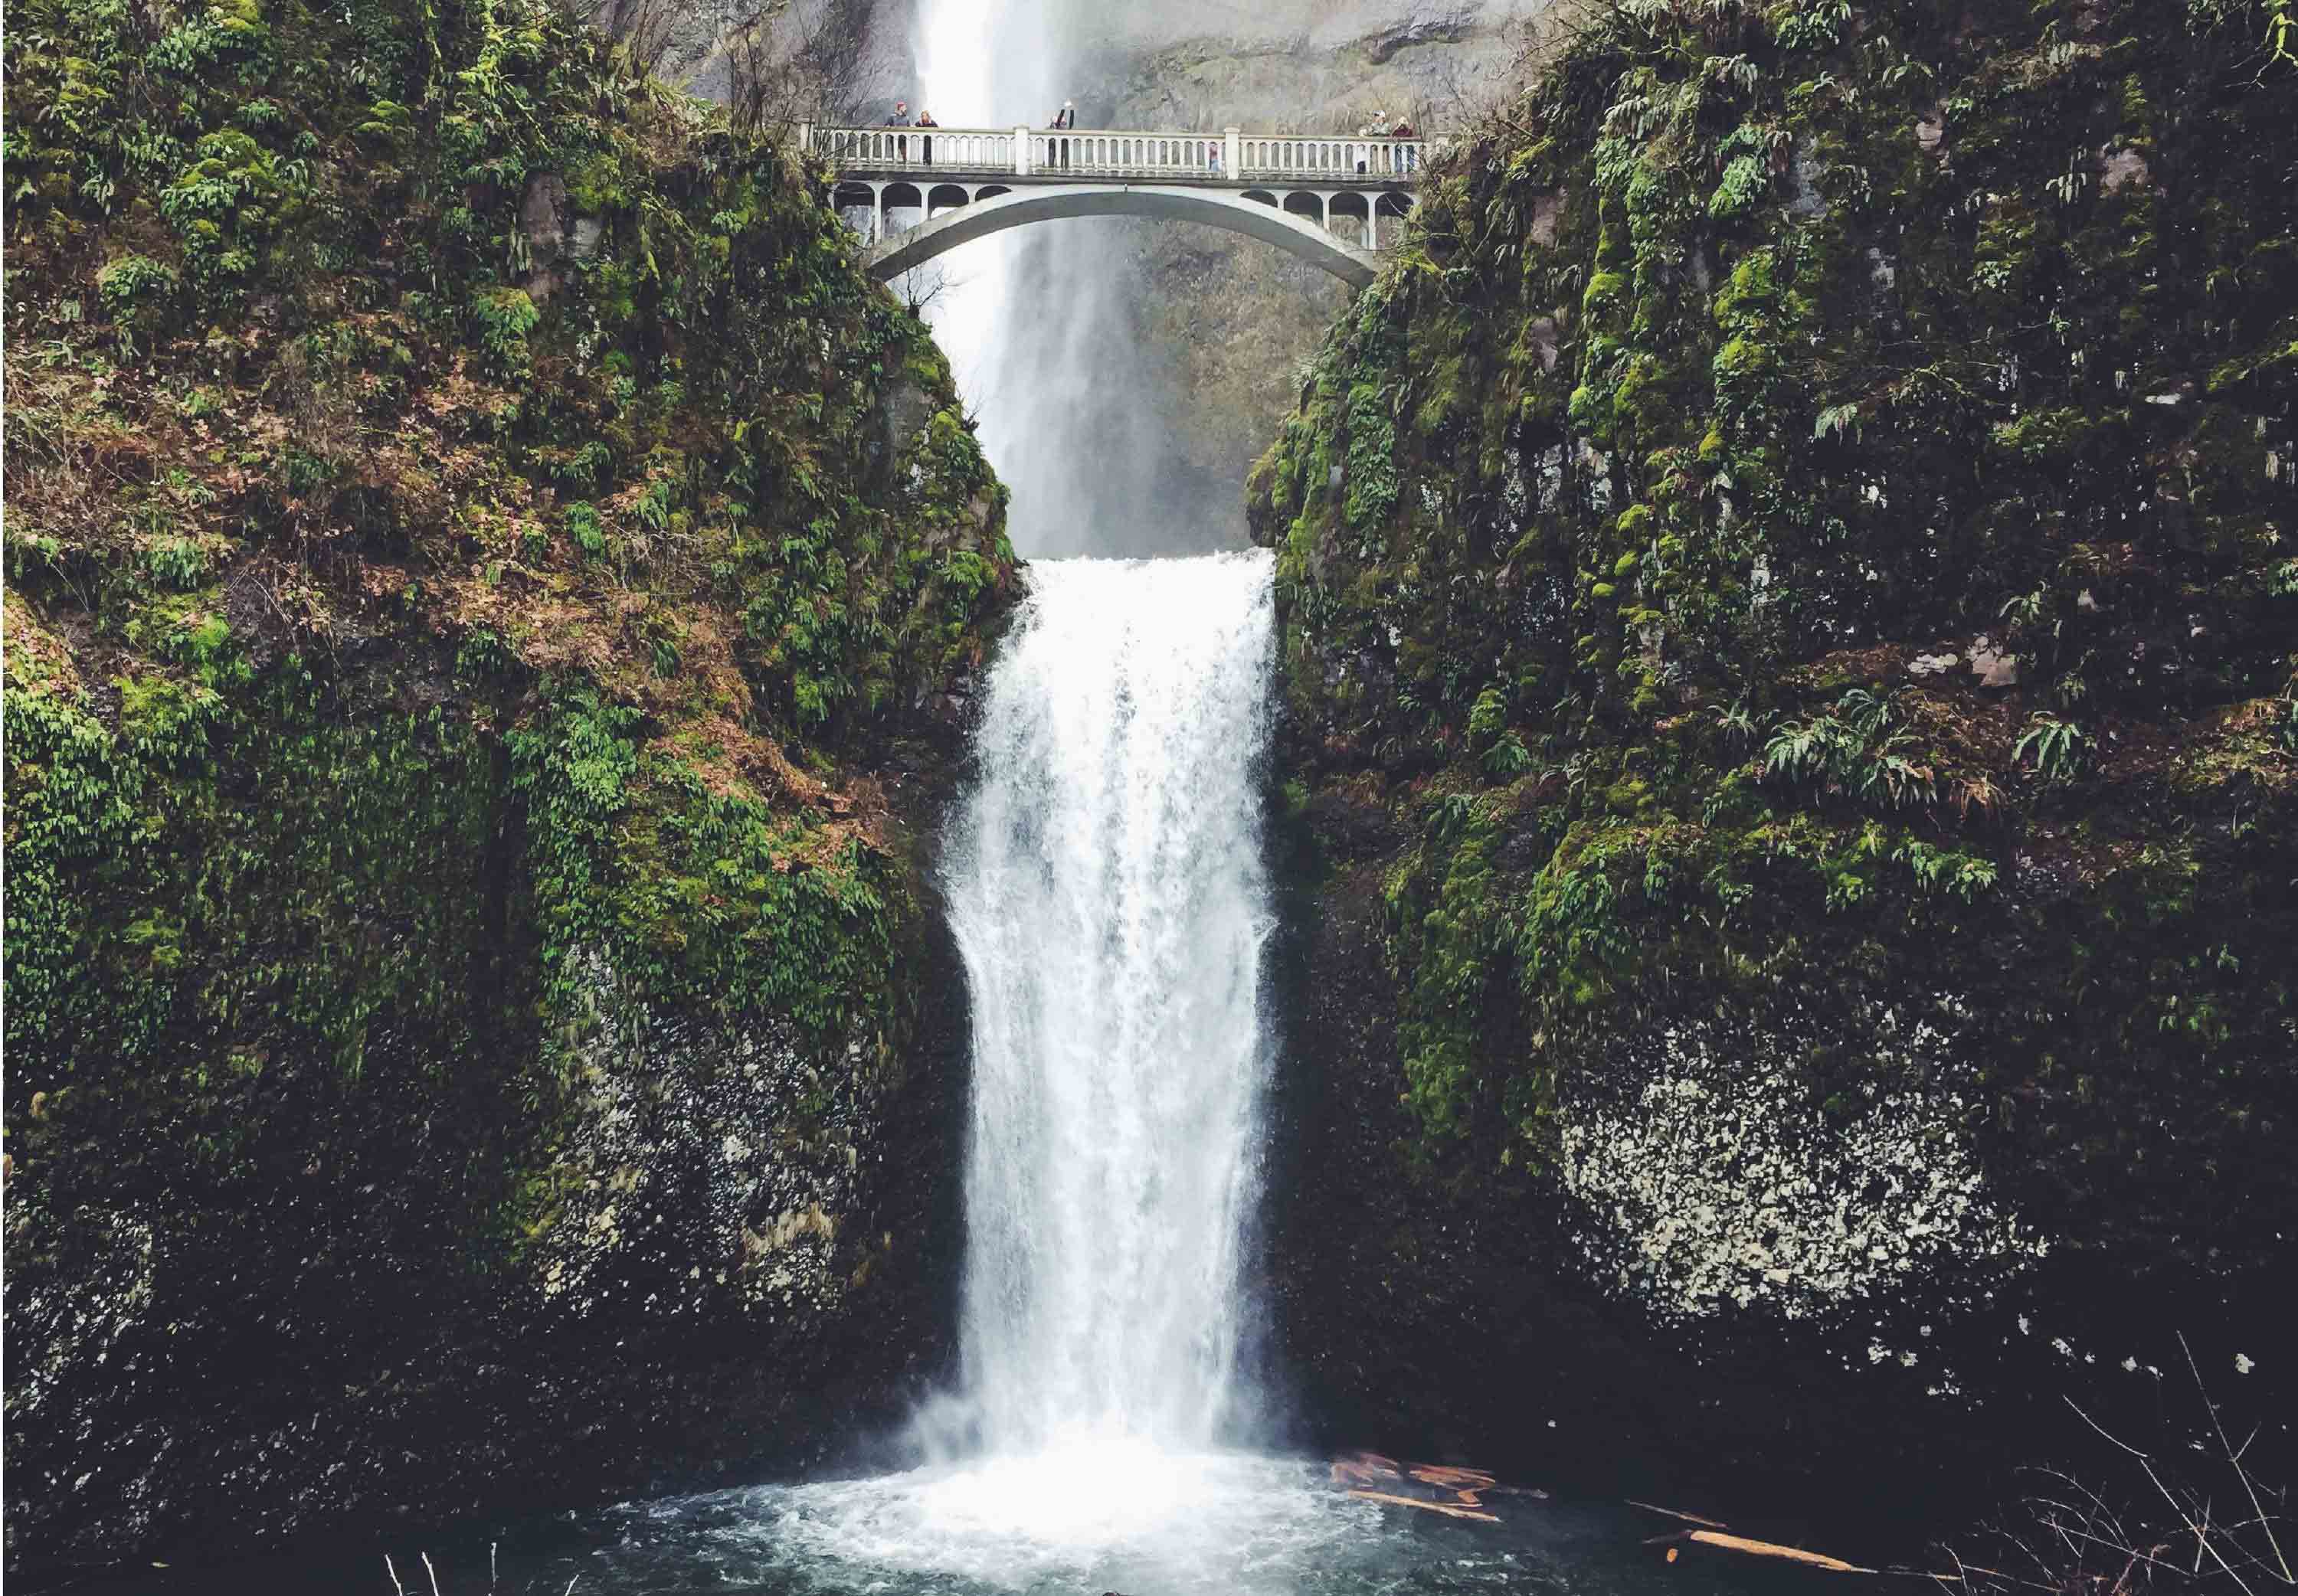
(1853, 750)
(2057, 748)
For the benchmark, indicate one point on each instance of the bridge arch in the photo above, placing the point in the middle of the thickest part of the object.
(1251, 214)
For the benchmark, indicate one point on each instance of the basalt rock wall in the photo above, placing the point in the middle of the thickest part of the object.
(1792, 748)
(491, 594)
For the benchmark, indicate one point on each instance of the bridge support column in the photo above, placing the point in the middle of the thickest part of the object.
(877, 212)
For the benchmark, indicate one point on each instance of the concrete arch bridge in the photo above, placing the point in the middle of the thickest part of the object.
(1321, 199)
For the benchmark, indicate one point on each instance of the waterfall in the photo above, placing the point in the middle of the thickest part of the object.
(1107, 892)
(1039, 324)
(1107, 888)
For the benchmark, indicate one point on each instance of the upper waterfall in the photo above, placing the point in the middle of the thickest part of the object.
(1107, 892)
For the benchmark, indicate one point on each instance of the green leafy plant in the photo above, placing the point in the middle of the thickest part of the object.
(1857, 749)
(2054, 749)
(505, 317)
(588, 532)
(136, 288)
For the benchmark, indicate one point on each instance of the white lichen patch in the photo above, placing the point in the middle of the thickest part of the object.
(1721, 1183)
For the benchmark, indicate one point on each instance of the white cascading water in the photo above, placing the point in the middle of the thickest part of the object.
(1107, 889)
(1038, 322)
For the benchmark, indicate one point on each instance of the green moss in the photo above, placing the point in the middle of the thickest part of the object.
(433, 660)
(1833, 400)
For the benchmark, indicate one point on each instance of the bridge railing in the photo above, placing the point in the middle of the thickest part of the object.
(915, 149)
(1229, 156)
(1340, 160)
(1098, 153)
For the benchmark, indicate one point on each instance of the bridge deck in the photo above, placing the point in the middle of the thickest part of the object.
(1323, 199)
(1230, 159)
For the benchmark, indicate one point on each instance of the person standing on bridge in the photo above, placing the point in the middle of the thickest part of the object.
(1404, 151)
(1064, 119)
(1370, 130)
(900, 119)
(925, 119)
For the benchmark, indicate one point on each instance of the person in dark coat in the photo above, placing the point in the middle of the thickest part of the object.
(900, 119)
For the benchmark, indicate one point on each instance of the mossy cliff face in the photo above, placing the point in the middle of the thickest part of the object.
(490, 591)
(1790, 610)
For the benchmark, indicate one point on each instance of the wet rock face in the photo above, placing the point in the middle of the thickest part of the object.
(479, 1035)
(1453, 27)
(1748, 976)
(1710, 1179)
(737, 1152)
(1780, 1262)
(735, 1253)
(1460, 1318)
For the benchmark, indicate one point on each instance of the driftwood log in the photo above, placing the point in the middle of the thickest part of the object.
(1772, 1549)
(1447, 1509)
(1457, 1492)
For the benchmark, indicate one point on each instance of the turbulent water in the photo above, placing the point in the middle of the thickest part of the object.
(1108, 895)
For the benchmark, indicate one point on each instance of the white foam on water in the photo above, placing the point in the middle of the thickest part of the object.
(1091, 1514)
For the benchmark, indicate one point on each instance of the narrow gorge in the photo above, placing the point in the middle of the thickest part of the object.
(1113, 918)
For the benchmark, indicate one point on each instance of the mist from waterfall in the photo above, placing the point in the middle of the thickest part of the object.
(1043, 338)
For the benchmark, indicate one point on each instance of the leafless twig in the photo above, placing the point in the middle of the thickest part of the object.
(2080, 1543)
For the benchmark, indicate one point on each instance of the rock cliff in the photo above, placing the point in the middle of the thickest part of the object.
(1792, 747)
(1227, 322)
(491, 589)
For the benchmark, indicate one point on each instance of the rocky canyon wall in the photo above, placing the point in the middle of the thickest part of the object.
(491, 591)
(1789, 623)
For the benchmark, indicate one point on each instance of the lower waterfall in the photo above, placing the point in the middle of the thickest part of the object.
(1107, 885)
(1107, 889)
